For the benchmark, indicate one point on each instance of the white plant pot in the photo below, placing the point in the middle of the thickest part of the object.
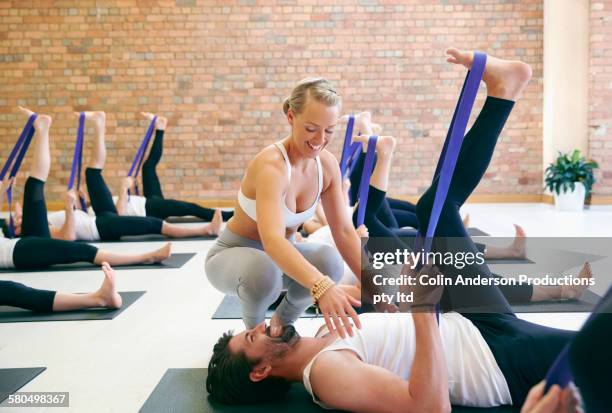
(571, 200)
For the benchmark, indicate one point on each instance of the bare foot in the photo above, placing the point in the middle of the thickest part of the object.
(385, 145)
(159, 255)
(572, 292)
(466, 221)
(505, 79)
(363, 124)
(518, 248)
(160, 123)
(42, 122)
(98, 118)
(107, 294)
(214, 228)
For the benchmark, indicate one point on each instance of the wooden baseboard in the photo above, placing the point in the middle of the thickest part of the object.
(475, 199)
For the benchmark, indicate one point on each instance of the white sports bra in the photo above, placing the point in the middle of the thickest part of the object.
(292, 219)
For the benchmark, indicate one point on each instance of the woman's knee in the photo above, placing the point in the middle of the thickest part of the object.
(327, 260)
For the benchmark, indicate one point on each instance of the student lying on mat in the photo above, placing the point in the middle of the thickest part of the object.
(153, 203)
(385, 147)
(107, 225)
(36, 249)
(44, 301)
(407, 362)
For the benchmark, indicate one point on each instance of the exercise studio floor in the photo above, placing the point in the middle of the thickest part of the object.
(113, 366)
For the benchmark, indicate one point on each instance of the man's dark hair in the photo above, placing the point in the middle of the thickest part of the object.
(228, 378)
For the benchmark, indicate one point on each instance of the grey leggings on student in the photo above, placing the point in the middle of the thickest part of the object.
(239, 266)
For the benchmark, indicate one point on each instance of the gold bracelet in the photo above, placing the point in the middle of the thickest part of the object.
(320, 288)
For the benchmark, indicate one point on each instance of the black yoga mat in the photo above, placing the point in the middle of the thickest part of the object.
(12, 380)
(176, 260)
(476, 232)
(583, 304)
(184, 390)
(230, 309)
(184, 220)
(19, 315)
(154, 237)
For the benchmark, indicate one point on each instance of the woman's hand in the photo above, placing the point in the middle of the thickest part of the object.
(336, 305)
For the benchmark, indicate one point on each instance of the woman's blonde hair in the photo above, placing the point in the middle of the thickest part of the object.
(317, 88)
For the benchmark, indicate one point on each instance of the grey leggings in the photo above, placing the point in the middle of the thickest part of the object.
(239, 266)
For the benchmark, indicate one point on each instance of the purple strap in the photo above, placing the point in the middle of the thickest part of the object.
(348, 136)
(139, 158)
(77, 161)
(364, 184)
(560, 372)
(17, 154)
(454, 139)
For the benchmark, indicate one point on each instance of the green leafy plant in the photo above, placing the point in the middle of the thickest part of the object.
(563, 174)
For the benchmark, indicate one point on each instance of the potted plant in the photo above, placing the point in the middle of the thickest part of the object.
(570, 179)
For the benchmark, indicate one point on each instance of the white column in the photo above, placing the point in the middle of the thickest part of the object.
(566, 57)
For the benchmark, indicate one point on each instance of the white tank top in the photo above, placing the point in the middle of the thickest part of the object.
(85, 225)
(388, 341)
(7, 246)
(292, 219)
(135, 206)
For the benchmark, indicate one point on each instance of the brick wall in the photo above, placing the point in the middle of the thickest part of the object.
(600, 93)
(219, 70)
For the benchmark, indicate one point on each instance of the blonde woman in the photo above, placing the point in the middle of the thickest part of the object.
(256, 254)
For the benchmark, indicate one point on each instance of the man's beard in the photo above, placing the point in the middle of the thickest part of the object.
(283, 343)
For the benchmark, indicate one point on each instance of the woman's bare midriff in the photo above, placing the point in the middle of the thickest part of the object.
(241, 224)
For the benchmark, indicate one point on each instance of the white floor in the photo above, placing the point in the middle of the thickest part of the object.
(112, 366)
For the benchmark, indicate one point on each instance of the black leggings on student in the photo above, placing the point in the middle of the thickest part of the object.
(393, 213)
(36, 249)
(18, 295)
(112, 226)
(159, 207)
(523, 351)
(591, 360)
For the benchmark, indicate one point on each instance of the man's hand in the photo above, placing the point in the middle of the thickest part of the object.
(127, 183)
(556, 400)
(70, 199)
(425, 296)
(362, 231)
(7, 182)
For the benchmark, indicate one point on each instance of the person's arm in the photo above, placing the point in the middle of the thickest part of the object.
(270, 183)
(68, 230)
(122, 200)
(345, 237)
(377, 390)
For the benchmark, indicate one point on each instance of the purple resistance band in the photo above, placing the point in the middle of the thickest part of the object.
(17, 154)
(348, 136)
(560, 372)
(364, 184)
(139, 158)
(77, 160)
(452, 144)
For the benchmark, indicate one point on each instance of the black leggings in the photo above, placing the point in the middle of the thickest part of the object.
(393, 213)
(388, 240)
(18, 295)
(591, 360)
(112, 226)
(159, 207)
(36, 249)
(523, 351)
